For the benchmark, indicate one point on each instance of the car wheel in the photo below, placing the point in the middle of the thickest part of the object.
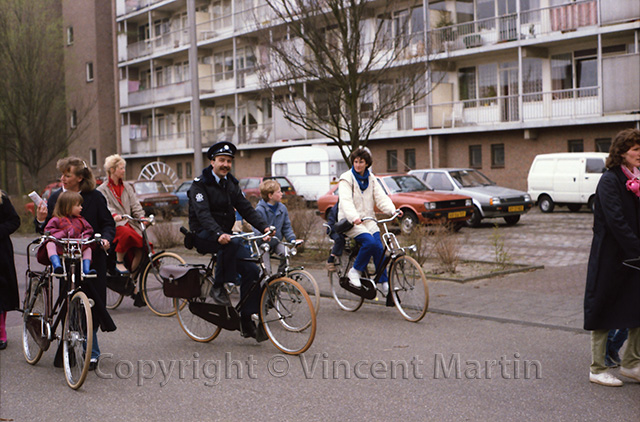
(475, 219)
(574, 207)
(546, 204)
(591, 204)
(512, 219)
(327, 212)
(408, 222)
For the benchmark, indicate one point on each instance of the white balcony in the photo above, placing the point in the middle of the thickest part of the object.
(160, 94)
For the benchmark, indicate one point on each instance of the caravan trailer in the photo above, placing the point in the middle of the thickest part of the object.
(311, 169)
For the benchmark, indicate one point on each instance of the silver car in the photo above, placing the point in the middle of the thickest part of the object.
(489, 200)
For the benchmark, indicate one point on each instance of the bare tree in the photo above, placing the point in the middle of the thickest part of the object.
(341, 67)
(34, 117)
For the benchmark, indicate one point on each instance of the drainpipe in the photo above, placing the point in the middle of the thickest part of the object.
(195, 88)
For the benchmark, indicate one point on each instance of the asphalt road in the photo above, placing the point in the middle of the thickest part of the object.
(370, 365)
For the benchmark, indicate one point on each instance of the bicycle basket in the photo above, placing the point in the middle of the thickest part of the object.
(182, 281)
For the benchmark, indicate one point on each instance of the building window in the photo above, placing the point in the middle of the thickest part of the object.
(475, 156)
(69, 35)
(188, 171)
(93, 158)
(89, 71)
(576, 145)
(409, 159)
(497, 155)
(603, 144)
(73, 120)
(392, 160)
(179, 170)
(267, 166)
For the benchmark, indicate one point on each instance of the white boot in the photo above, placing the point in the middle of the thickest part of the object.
(354, 277)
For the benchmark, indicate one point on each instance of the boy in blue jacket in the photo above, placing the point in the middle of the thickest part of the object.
(275, 213)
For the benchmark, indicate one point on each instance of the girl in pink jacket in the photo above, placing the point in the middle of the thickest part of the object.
(68, 223)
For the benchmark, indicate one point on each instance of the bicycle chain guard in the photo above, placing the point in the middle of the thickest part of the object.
(226, 317)
(367, 290)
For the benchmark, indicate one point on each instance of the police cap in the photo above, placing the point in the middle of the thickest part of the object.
(221, 148)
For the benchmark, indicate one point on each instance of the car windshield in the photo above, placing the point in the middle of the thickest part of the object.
(470, 178)
(149, 187)
(403, 184)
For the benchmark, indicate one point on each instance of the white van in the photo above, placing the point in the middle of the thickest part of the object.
(311, 169)
(565, 179)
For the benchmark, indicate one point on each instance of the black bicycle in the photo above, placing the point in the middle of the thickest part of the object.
(41, 316)
(408, 289)
(286, 317)
(146, 275)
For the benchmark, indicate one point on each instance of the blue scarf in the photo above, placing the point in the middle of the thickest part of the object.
(363, 181)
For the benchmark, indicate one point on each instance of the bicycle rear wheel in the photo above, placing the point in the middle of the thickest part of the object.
(151, 285)
(196, 328)
(309, 284)
(33, 317)
(114, 299)
(408, 287)
(288, 316)
(77, 340)
(346, 300)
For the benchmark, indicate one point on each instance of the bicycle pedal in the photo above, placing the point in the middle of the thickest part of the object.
(62, 275)
(89, 275)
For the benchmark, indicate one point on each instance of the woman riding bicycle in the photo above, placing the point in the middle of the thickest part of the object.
(359, 194)
(122, 200)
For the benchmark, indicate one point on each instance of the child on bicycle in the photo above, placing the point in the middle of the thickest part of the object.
(68, 223)
(338, 239)
(275, 213)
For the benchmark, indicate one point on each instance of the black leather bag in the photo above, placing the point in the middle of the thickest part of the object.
(182, 281)
(343, 226)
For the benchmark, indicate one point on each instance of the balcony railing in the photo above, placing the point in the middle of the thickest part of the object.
(166, 41)
(133, 5)
(159, 94)
(533, 23)
(161, 143)
(243, 134)
(559, 104)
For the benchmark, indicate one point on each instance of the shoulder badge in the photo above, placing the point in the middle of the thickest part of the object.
(199, 197)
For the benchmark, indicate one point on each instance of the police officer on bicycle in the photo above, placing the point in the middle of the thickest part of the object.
(213, 199)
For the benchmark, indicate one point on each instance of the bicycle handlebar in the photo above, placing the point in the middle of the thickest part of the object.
(249, 236)
(151, 219)
(388, 220)
(69, 241)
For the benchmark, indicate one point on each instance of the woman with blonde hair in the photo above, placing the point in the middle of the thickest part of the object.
(121, 200)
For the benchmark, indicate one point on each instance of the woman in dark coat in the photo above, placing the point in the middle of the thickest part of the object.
(612, 295)
(9, 296)
(76, 176)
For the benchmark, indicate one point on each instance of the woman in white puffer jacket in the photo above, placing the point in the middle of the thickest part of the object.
(359, 193)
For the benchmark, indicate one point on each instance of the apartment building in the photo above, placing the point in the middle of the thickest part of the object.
(90, 80)
(508, 79)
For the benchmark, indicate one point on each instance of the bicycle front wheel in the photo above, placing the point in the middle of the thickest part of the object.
(77, 340)
(152, 284)
(408, 287)
(114, 299)
(346, 300)
(196, 328)
(306, 280)
(288, 316)
(33, 321)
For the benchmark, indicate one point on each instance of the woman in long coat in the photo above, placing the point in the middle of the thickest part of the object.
(9, 296)
(612, 294)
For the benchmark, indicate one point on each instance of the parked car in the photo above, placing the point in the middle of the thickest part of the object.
(566, 178)
(489, 200)
(155, 199)
(251, 187)
(183, 199)
(45, 194)
(418, 203)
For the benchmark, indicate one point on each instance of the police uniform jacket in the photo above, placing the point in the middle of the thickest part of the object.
(212, 207)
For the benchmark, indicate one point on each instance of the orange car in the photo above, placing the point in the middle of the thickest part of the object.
(418, 203)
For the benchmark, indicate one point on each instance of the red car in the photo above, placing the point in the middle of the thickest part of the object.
(251, 187)
(418, 203)
(155, 198)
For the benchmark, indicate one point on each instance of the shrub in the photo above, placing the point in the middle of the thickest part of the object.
(165, 235)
